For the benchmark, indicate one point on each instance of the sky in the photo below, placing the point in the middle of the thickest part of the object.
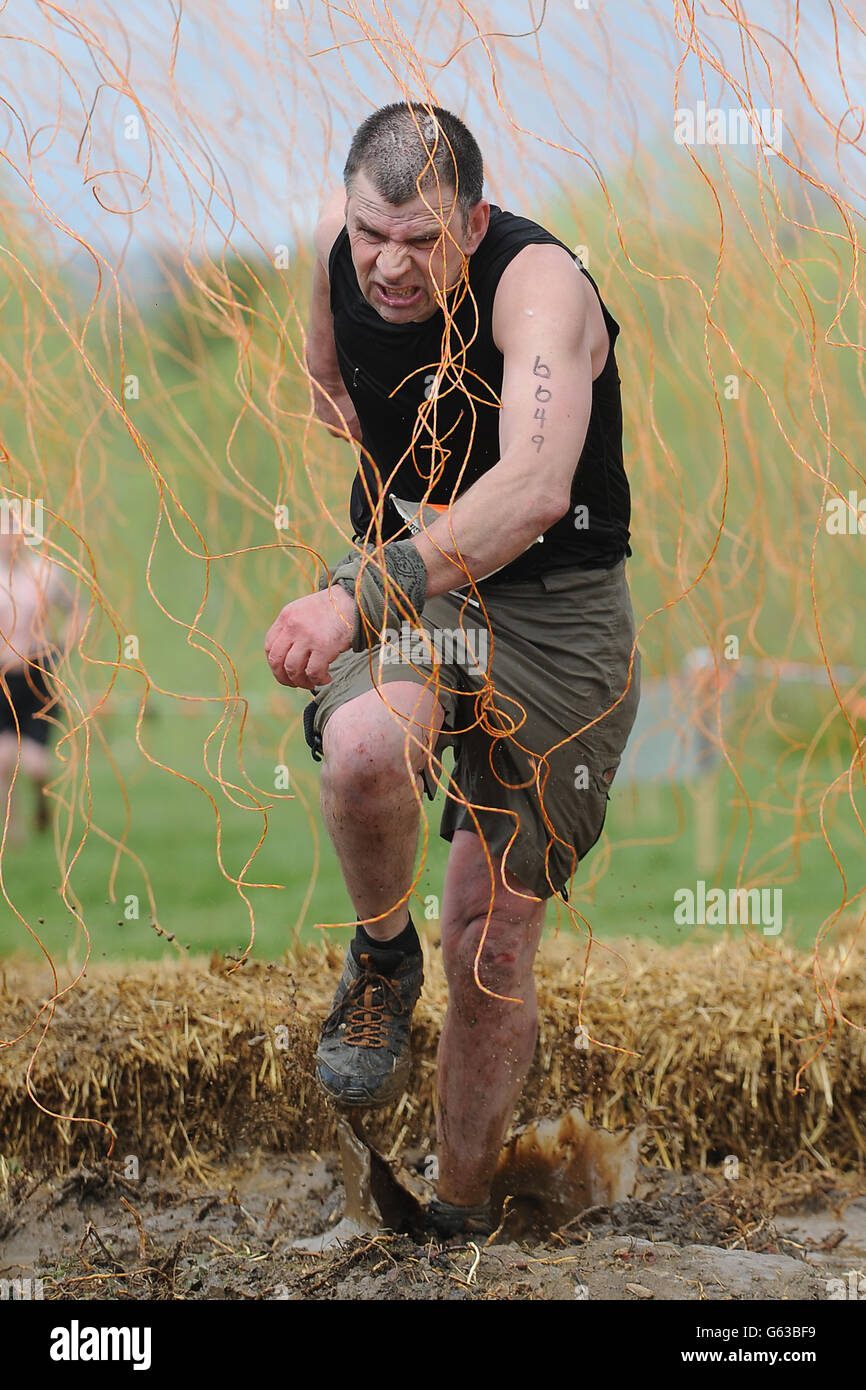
(158, 129)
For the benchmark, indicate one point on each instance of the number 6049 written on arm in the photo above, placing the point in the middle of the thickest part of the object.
(542, 395)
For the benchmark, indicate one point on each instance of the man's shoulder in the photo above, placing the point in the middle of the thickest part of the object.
(530, 269)
(541, 280)
(506, 229)
(511, 238)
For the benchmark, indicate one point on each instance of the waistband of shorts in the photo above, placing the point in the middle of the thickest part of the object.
(564, 577)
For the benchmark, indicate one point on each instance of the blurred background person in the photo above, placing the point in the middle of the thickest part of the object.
(38, 615)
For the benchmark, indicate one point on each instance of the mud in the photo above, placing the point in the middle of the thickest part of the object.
(95, 1235)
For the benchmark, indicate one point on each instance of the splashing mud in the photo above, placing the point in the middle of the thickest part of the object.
(379, 1194)
(548, 1172)
(552, 1169)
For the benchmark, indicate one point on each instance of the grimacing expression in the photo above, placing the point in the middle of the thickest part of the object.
(403, 259)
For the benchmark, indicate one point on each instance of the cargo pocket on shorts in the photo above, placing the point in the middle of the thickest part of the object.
(314, 739)
(603, 777)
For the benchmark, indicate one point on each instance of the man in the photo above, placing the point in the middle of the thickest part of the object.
(470, 355)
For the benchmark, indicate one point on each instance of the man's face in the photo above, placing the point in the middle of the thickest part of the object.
(398, 249)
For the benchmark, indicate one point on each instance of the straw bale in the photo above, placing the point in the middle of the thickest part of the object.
(189, 1064)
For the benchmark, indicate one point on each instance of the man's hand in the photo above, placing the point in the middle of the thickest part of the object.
(306, 636)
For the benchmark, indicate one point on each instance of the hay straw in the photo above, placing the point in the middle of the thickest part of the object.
(190, 1066)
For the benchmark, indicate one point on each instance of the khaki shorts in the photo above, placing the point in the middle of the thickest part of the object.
(532, 710)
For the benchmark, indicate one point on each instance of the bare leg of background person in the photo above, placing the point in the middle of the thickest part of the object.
(369, 806)
(486, 1045)
(35, 764)
(8, 759)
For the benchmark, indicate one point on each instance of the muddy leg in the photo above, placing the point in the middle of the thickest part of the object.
(486, 1045)
(369, 805)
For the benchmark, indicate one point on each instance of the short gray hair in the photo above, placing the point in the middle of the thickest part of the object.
(400, 144)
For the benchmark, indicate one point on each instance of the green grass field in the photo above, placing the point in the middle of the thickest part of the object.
(219, 411)
(650, 844)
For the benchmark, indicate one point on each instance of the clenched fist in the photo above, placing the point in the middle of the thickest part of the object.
(303, 640)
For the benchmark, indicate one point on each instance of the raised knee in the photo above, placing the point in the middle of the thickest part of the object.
(358, 766)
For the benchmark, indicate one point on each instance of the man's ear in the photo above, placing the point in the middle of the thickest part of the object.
(478, 222)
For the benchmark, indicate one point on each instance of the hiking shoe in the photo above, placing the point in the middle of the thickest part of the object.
(448, 1220)
(364, 1055)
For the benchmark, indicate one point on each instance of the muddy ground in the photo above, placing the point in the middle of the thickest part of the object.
(96, 1235)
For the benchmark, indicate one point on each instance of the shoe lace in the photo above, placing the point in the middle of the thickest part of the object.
(365, 1017)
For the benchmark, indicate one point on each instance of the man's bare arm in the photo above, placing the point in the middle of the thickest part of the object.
(332, 403)
(540, 325)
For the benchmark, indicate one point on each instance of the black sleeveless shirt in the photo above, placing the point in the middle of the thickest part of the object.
(389, 370)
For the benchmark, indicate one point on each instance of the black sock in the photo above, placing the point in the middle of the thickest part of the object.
(406, 943)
